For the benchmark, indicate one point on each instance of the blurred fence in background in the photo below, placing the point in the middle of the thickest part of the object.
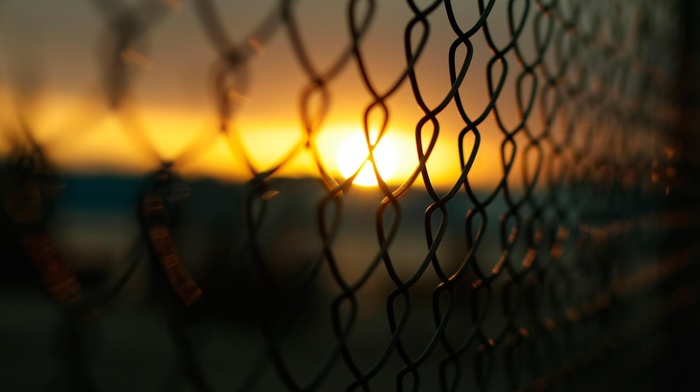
(568, 263)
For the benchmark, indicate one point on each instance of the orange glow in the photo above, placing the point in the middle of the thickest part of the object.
(170, 111)
(78, 141)
(353, 153)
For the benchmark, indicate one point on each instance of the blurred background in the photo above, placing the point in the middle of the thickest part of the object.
(349, 195)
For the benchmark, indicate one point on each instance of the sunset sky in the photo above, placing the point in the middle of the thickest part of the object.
(51, 76)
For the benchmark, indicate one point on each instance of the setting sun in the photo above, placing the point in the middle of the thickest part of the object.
(353, 153)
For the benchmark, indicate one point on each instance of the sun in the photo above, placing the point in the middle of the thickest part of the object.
(353, 153)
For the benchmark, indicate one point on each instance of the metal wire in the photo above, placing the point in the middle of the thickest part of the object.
(561, 267)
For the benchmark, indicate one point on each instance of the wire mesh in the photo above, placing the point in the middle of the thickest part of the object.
(536, 235)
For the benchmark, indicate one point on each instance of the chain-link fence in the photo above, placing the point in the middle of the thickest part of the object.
(179, 212)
